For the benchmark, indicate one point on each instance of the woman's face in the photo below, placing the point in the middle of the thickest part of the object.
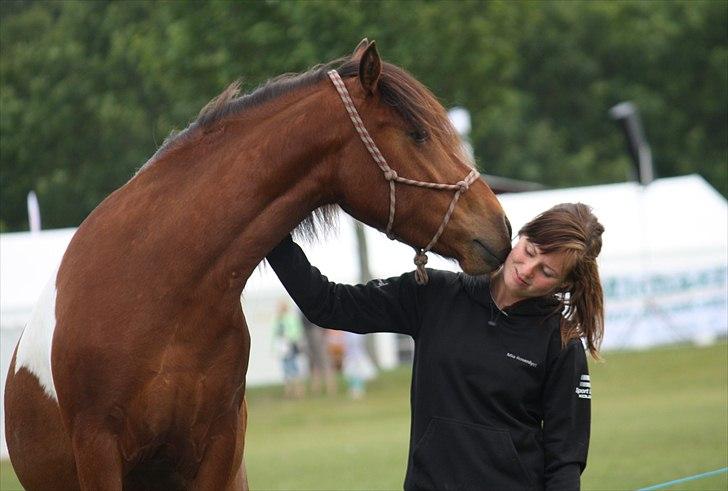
(529, 273)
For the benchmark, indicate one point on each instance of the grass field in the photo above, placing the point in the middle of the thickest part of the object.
(657, 416)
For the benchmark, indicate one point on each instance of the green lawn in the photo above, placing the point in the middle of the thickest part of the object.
(657, 416)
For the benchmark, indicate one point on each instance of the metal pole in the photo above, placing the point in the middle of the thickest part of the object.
(628, 116)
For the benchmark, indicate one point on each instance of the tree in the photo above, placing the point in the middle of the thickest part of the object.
(89, 90)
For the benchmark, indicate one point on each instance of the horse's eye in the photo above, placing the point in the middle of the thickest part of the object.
(419, 136)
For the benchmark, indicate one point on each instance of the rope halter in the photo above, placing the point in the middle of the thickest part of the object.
(391, 177)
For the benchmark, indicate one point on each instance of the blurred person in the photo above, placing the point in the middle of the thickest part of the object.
(288, 338)
(335, 348)
(320, 369)
(357, 367)
(500, 393)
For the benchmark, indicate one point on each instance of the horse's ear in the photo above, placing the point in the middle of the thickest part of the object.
(370, 67)
(359, 50)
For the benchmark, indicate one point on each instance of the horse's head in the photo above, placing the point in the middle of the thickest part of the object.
(414, 134)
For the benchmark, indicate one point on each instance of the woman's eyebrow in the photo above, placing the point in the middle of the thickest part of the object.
(541, 253)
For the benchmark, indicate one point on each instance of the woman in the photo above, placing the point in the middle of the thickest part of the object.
(500, 386)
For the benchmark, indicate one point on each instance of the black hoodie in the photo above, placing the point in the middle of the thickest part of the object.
(497, 403)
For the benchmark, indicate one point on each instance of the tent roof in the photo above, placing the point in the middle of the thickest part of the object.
(671, 214)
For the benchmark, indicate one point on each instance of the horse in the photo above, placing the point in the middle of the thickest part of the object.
(131, 372)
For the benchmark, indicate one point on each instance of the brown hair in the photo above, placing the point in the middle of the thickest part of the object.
(571, 228)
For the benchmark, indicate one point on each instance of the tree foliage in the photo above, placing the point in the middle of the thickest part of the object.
(88, 90)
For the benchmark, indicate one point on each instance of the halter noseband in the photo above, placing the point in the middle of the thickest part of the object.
(391, 176)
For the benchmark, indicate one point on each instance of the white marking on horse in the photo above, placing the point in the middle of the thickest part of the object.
(34, 348)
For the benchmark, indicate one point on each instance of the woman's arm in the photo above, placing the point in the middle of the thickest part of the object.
(567, 415)
(379, 306)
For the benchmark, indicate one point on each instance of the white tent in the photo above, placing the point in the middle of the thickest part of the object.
(664, 267)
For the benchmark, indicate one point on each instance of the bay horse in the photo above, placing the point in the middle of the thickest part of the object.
(131, 373)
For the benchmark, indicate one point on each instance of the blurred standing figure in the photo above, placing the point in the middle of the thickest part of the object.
(288, 338)
(321, 371)
(335, 348)
(357, 366)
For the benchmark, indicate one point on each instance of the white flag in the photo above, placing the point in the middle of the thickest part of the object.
(33, 212)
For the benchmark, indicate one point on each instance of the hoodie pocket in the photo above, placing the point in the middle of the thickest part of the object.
(454, 455)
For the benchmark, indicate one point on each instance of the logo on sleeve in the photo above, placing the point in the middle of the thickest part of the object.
(584, 389)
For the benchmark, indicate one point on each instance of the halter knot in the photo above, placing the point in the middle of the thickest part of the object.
(421, 273)
(463, 185)
(390, 175)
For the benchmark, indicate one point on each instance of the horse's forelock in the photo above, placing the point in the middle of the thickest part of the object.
(414, 103)
(418, 106)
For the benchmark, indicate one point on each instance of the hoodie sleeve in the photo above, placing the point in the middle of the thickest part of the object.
(567, 415)
(378, 306)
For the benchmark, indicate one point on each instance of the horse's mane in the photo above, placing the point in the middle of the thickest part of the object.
(412, 100)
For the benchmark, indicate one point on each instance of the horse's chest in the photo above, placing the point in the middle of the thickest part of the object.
(177, 410)
(191, 386)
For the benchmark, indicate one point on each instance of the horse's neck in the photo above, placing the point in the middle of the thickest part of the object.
(250, 183)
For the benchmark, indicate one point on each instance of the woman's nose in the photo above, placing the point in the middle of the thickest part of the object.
(527, 269)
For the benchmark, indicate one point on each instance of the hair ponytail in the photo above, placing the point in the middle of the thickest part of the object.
(583, 313)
